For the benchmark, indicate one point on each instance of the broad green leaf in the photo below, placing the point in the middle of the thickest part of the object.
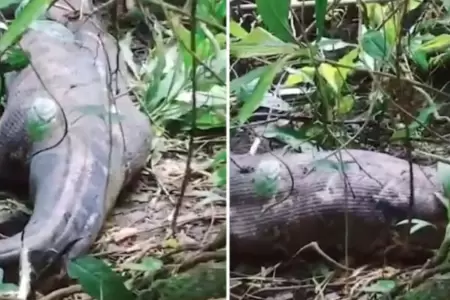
(414, 128)
(375, 14)
(393, 23)
(184, 43)
(15, 59)
(305, 74)
(349, 61)
(148, 264)
(292, 137)
(220, 158)
(413, 4)
(330, 74)
(236, 30)
(420, 58)
(390, 28)
(264, 83)
(241, 82)
(439, 43)
(260, 42)
(382, 286)
(210, 118)
(33, 10)
(345, 104)
(321, 11)
(424, 117)
(221, 9)
(219, 177)
(274, 15)
(204, 9)
(374, 44)
(98, 280)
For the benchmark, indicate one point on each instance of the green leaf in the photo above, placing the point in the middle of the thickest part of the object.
(345, 104)
(260, 42)
(321, 11)
(33, 10)
(380, 286)
(219, 176)
(374, 44)
(221, 9)
(274, 15)
(347, 60)
(293, 137)
(98, 280)
(440, 42)
(255, 99)
(418, 124)
(16, 59)
(204, 282)
(330, 74)
(220, 158)
(443, 172)
(424, 117)
(236, 30)
(241, 82)
(420, 58)
(210, 118)
(148, 264)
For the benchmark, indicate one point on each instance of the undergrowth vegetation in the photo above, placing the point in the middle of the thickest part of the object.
(155, 39)
(318, 75)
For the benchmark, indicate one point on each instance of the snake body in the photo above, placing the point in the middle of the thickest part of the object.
(352, 200)
(94, 139)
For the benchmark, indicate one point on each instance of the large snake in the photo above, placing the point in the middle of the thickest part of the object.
(352, 200)
(95, 138)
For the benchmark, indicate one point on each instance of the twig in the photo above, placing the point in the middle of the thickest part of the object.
(64, 292)
(187, 174)
(316, 247)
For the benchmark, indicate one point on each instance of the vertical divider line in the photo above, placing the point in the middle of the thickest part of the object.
(228, 126)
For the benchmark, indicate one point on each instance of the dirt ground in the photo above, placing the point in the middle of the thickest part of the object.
(141, 223)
